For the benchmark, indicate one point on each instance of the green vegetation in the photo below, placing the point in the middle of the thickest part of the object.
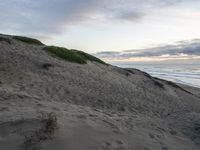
(69, 55)
(72, 55)
(28, 40)
(89, 57)
(5, 40)
(65, 54)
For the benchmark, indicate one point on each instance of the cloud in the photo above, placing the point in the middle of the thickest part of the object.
(180, 49)
(44, 17)
(132, 16)
(108, 53)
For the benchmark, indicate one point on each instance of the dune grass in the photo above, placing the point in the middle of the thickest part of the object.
(72, 55)
(28, 40)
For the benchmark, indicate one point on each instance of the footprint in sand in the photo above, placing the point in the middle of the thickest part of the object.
(116, 145)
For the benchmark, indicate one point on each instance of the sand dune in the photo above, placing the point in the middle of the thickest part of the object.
(52, 104)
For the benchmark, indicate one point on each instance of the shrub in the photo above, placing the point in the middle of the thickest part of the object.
(5, 40)
(65, 54)
(160, 85)
(130, 71)
(28, 40)
(89, 57)
(47, 66)
(72, 55)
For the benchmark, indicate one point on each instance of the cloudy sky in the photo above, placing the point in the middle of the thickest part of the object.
(133, 30)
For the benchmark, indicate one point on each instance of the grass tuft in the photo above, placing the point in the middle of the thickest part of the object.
(28, 40)
(49, 126)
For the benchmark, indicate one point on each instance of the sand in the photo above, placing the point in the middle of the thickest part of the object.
(94, 106)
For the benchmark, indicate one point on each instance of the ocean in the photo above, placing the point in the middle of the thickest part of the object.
(188, 74)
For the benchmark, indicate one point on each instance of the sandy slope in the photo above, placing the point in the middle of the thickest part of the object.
(97, 106)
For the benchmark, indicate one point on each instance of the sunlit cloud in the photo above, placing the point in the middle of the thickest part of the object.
(182, 50)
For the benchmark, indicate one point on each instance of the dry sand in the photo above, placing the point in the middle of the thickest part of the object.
(90, 107)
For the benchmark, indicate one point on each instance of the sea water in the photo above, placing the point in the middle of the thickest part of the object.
(188, 74)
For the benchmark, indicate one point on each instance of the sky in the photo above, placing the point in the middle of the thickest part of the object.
(114, 30)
